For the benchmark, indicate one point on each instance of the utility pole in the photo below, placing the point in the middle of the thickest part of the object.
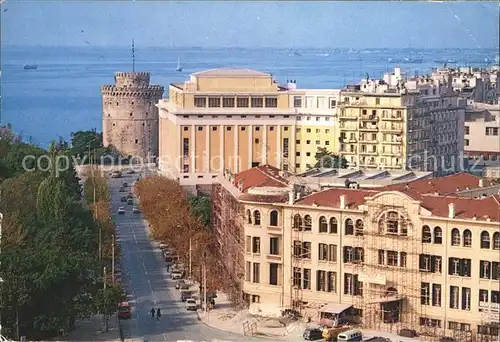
(190, 257)
(113, 259)
(105, 302)
(205, 287)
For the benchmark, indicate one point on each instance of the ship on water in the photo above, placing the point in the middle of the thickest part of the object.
(30, 67)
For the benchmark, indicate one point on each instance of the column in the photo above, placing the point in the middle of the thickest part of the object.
(178, 165)
(264, 145)
(291, 150)
(279, 164)
(207, 149)
(250, 146)
(193, 149)
(236, 149)
(221, 150)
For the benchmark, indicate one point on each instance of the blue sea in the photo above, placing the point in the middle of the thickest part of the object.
(63, 94)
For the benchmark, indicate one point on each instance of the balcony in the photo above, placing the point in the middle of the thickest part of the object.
(275, 230)
(391, 153)
(274, 258)
(348, 152)
(366, 141)
(393, 129)
(347, 117)
(368, 127)
(392, 118)
(369, 118)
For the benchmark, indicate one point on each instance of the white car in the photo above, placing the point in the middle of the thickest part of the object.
(136, 210)
(191, 304)
(121, 211)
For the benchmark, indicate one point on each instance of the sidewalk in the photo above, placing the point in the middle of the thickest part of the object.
(93, 330)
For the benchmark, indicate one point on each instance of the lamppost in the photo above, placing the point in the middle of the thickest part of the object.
(94, 195)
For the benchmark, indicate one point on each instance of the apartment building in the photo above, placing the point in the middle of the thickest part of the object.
(235, 119)
(400, 123)
(409, 255)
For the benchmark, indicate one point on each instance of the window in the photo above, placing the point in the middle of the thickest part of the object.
(297, 101)
(426, 234)
(322, 251)
(381, 257)
(214, 102)
(249, 216)
(359, 228)
(459, 267)
(323, 225)
(402, 259)
(257, 102)
(271, 102)
(307, 279)
(306, 250)
(352, 286)
(274, 246)
(484, 269)
(256, 245)
(425, 291)
(392, 258)
(256, 273)
(273, 273)
(436, 295)
(466, 130)
(349, 227)
(228, 102)
(242, 102)
(320, 280)
(285, 147)
(466, 298)
(438, 235)
(331, 282)
(333, 225)
(467, 238)
(307, 223)
(485, 240)
(297, 222)
(436, 264)
(256, 218)
(454, 293)
(200, 128)
(491, 131)
(185, 147)
(273, 218)
(297, 277)
(455, 237)
(200, 102)
(496, 240)
(332, 253)
(248, 271)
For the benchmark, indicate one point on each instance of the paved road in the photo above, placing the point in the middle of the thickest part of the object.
(148, 285)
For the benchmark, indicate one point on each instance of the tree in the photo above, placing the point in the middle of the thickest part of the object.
(82, 141)
(329, 160)
(107, 300)
(201, 207)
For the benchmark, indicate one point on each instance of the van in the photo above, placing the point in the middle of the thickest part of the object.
(350, 335)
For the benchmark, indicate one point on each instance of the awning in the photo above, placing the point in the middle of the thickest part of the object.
(335, 308)
(386, 300)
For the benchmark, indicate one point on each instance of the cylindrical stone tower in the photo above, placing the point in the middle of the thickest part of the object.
(130, 115)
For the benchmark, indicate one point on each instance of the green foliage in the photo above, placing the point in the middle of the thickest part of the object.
(107, 301)
(49, 263)
(82, 141)
(201, 207)
(328, 159)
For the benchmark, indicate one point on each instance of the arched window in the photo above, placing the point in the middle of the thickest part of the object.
(323, 225)
(485, 240)
(297, 222)
(496, 240)
(307, 223)
(273, 218)
(349, 227)
(359, 227)
(467, 238)
(333, 225)
(438, 235)
(426, 234)
(455, 237)
(256, 218)
(249, 216)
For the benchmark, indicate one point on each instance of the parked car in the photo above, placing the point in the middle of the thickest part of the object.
(176, 275)
(121, 211)
(124, 310)
(130, 171)
(122, 189)
(130, 195)
(163, 246)
(124, 184)
(312, 334)
(407, 333)
(116, 174)
(130, 201)
(136, 210)
(123, 199)
(179, 284)
(191, 304)
(185, 294)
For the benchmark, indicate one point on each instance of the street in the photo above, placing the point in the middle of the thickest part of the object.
(148, 284)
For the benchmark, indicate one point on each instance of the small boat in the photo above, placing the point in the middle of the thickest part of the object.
(30, 67)
(179, 67)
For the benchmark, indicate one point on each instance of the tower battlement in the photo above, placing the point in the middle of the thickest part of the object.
(132, 79)
(126, 91)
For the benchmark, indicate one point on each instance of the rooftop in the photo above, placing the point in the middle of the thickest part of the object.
(258, 177)
(231, 72)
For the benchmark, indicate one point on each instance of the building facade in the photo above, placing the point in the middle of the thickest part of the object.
(130, 115)
(235, 119)
(406, 256)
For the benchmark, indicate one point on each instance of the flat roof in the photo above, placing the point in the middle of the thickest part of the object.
(231, 72)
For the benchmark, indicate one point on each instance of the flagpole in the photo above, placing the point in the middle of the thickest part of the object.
(133, 55)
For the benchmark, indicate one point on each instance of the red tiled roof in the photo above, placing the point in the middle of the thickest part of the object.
(263, 198)
(261, 176)
(442, 185)
(331, 197)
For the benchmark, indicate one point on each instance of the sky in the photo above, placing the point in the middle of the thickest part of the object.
(279, 24)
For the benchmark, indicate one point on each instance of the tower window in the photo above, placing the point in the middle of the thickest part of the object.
(132, 102)
(147, 113)
(113, 125)
(136, 141)
(143, 123)
(130, 114)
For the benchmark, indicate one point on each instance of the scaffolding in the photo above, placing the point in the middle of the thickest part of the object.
(391, 296)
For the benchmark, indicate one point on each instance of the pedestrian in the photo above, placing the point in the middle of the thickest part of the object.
(152, 313)
(158, 314)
